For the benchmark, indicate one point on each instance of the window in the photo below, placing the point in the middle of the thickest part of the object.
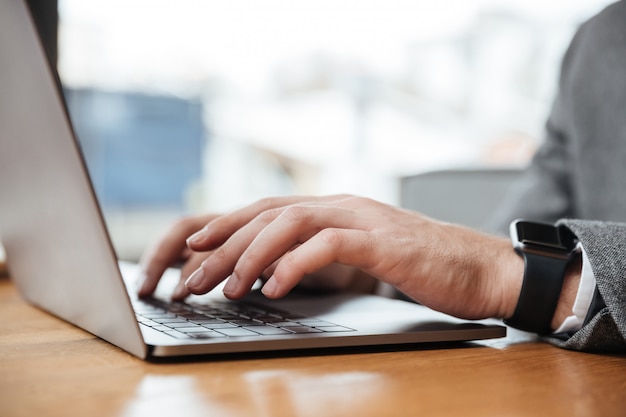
(199, 105)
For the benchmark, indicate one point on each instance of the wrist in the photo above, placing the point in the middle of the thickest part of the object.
(502, 274)
(512, 284)
(571, 282)
(512, 273)
(548, 252)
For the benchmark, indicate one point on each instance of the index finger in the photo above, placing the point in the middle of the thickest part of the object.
(167, 251)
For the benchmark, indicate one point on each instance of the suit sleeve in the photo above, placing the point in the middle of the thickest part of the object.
(605, 244)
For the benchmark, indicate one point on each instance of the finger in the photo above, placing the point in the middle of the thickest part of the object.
(192, 263)
(220, 229)
(166, 252)
(294, 225)
(180, 292)
(269, 271)
(344, 246)
(221, 261)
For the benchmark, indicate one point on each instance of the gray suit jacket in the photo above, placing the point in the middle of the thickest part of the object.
(580, 170)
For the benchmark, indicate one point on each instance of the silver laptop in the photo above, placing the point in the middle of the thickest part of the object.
(61, 258)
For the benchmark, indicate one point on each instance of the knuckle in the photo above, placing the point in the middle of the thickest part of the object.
(289, 266)
(249, 258)
(290, 261)
(267, 203)
(219, 255)
(296, 214)
(349, 200)
(267, 216)
(332, 237)
(344, 198)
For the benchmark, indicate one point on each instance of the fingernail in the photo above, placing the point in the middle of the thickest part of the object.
(270, 287)
(231, 284)
(195, 279)
(196, 237)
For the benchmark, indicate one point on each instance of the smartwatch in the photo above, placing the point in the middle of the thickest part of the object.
(547, 251)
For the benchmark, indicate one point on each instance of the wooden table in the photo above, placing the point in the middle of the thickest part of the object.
(50, 368)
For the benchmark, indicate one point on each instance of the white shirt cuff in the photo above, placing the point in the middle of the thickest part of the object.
(584, 296)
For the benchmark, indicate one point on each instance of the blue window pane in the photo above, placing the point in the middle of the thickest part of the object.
(141, 149)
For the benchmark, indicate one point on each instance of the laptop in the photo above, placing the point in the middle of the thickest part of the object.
(61, 258)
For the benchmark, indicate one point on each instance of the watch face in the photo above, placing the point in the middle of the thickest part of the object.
(543, 235)
(538, 234)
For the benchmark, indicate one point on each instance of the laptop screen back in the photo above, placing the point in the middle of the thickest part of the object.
(58, 250)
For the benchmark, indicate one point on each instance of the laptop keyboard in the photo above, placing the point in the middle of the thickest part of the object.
(225, 319)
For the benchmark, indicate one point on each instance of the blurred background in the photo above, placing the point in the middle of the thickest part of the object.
(190, 106)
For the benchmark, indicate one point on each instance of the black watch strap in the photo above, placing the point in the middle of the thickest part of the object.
(541, 289)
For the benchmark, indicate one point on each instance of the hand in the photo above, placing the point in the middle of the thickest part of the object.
(449, 268)
(172, 250)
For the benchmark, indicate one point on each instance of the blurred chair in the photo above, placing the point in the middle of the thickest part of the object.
(463, 196)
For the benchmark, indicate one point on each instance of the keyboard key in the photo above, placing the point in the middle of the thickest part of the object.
(147, 322)
(222, 325)
(207, 334)
(237, 332)
(269, 330)
(246, 322)
(170, 320)
(302, 329)
(313, 322)
(163, 315)
(178, 323)
(177, 335)
(190, 315)
(285, 323)
(196, 329)
(333, 329)
(207, 321)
